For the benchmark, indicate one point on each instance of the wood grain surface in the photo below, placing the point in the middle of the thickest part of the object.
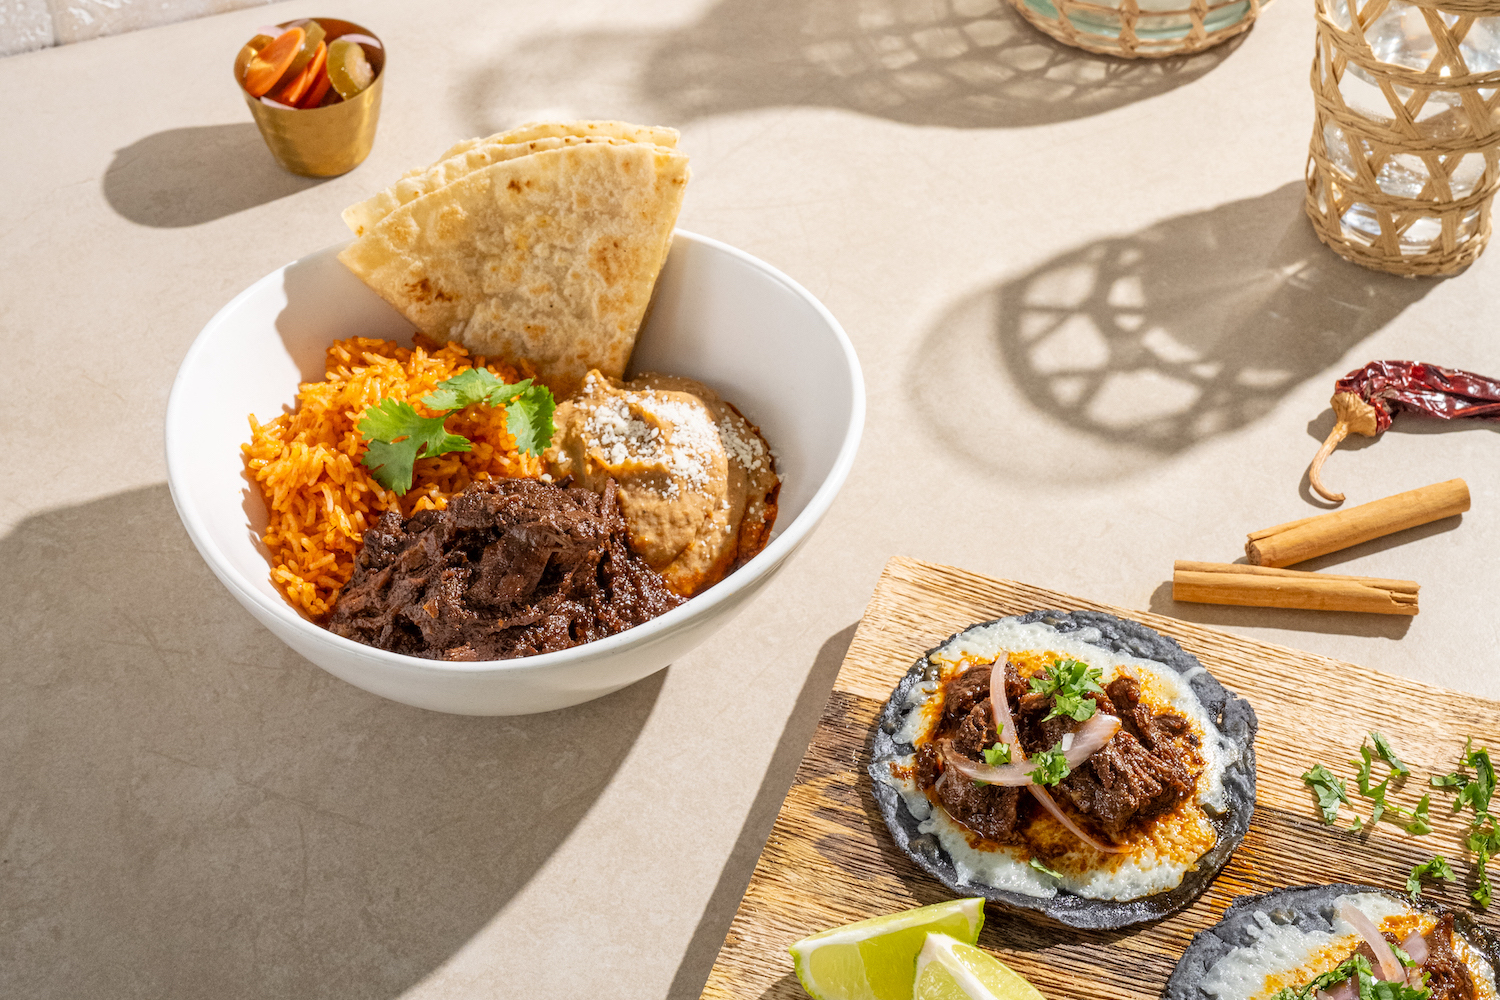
(830, 859)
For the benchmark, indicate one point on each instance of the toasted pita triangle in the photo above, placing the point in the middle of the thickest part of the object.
(473, 154)
(548, 257)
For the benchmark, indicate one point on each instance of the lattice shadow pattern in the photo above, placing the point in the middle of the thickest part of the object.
(955, 63)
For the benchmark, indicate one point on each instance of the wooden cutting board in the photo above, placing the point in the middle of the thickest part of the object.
(830, 859)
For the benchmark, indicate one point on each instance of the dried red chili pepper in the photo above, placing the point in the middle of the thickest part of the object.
(1365, 400)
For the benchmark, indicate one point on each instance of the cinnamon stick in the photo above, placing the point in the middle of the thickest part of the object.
(1298, 541)
(1265, 587)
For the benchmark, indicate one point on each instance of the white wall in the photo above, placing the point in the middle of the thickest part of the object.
(35, 24)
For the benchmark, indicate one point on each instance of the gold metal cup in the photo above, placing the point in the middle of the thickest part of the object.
(327, 141)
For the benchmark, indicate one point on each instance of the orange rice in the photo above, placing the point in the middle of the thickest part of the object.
(319, 495)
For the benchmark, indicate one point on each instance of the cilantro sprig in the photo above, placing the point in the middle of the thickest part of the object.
(398, 436)
(1388, 754)
(1475, 781)
(1474, 790)
(1329, 789)
(1437, 869)
(1376, 793)
(1068, 681)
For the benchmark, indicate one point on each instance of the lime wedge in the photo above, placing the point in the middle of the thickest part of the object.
(948, 969)
(874, 959)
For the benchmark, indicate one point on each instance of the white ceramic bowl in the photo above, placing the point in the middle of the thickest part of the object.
(719, 315)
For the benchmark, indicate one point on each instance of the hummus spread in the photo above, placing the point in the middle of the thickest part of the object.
(695, 478)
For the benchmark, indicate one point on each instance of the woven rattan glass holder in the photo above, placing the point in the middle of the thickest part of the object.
(1131, 31)
(1400, 176)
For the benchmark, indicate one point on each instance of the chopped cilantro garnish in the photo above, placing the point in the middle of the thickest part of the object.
(1329, 790)
(1383, 990)
(1041, 866)
(1437, 868)
(1474, 791)
(1419, 824)
(1388, 754)
(1358, 967)
(1051, 766)
(1484, 841)
(997, 754)
(1068, 681)
(1377, 792)
(398, 436)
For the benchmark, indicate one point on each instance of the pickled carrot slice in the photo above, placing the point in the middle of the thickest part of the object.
(318, 88)
(272, 61)
(296, 86)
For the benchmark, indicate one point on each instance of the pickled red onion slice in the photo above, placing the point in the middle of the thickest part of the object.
(1390, 967)
(1087, 740)
(1001, 705)
(1415, 945)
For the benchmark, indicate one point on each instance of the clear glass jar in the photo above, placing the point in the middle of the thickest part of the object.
(1407, 165)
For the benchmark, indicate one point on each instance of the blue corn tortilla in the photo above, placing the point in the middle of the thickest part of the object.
(1308, 908)
(1232, 715)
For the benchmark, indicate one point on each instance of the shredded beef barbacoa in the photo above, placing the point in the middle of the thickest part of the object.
(1141, 773)
(511, 568)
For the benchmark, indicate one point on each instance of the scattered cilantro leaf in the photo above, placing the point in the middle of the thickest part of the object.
(1474, 790)
(1041, 866)
(1355, 966)
(1484, 841)
(398, 436)
(1419, 824)
(529, 417)
(1051, 766)
(1388, 754)
(470, 386)
(1438, 868)
(1401, 956)
(1329, 789)
(1477, 792)
(997, 754)
(1375, 792)
(1068, 681)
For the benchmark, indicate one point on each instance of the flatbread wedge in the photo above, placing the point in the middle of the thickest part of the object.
(548, 258)
(472, 154)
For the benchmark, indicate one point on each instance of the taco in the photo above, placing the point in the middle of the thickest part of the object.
(1108, 787)
(1334, 942)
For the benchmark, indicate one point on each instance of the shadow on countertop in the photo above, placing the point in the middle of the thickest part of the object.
(954, 63)
(188, 176)
(1147, 344)
(724, 903)
(189, 809)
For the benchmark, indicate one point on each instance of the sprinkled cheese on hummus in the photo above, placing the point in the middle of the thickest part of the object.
(697, 487)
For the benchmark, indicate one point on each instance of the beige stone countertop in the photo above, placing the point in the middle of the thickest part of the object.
(1097, 333)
